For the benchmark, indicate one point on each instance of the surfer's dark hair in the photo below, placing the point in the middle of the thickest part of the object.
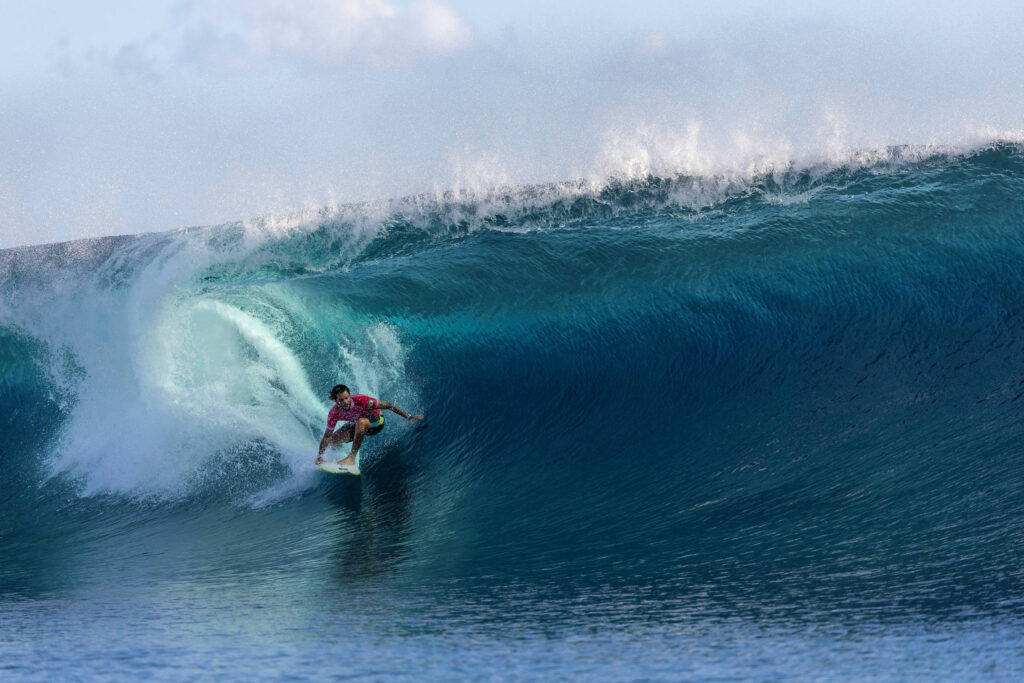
(338, 388)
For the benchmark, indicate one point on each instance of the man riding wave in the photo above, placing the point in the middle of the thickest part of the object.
(361, 416)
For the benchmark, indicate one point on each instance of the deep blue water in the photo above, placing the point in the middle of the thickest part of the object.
(676, 428)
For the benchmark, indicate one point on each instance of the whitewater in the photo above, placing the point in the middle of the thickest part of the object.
(678, 426)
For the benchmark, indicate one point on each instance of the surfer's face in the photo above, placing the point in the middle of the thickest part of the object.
(344, 399)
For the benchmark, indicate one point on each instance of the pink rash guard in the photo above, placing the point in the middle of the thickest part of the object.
(362, 406)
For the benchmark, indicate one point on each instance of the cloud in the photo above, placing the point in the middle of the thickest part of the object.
(321, 33)
(236, 35)
(132, 59)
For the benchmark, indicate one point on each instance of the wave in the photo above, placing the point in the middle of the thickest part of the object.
(673, 374)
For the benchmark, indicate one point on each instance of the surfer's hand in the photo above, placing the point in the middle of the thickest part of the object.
(413, 418)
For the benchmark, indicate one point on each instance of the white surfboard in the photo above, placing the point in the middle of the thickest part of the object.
(333, 467)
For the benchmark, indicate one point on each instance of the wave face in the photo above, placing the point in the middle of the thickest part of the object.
(797, 395)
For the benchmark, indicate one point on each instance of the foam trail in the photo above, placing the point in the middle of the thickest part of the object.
(162, 376)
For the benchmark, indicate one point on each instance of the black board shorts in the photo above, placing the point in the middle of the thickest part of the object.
(374, 428)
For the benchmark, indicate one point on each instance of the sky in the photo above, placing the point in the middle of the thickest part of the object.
(124, 117)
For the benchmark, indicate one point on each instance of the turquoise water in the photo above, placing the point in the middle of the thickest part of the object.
(676, 428)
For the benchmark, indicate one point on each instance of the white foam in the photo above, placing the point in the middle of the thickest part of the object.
(160, 375)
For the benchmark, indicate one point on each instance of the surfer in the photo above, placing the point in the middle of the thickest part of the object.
(361, 416)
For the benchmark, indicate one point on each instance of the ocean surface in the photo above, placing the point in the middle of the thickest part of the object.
(676, 428)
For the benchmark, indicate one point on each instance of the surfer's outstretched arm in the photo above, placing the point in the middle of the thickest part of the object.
(384, 405)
